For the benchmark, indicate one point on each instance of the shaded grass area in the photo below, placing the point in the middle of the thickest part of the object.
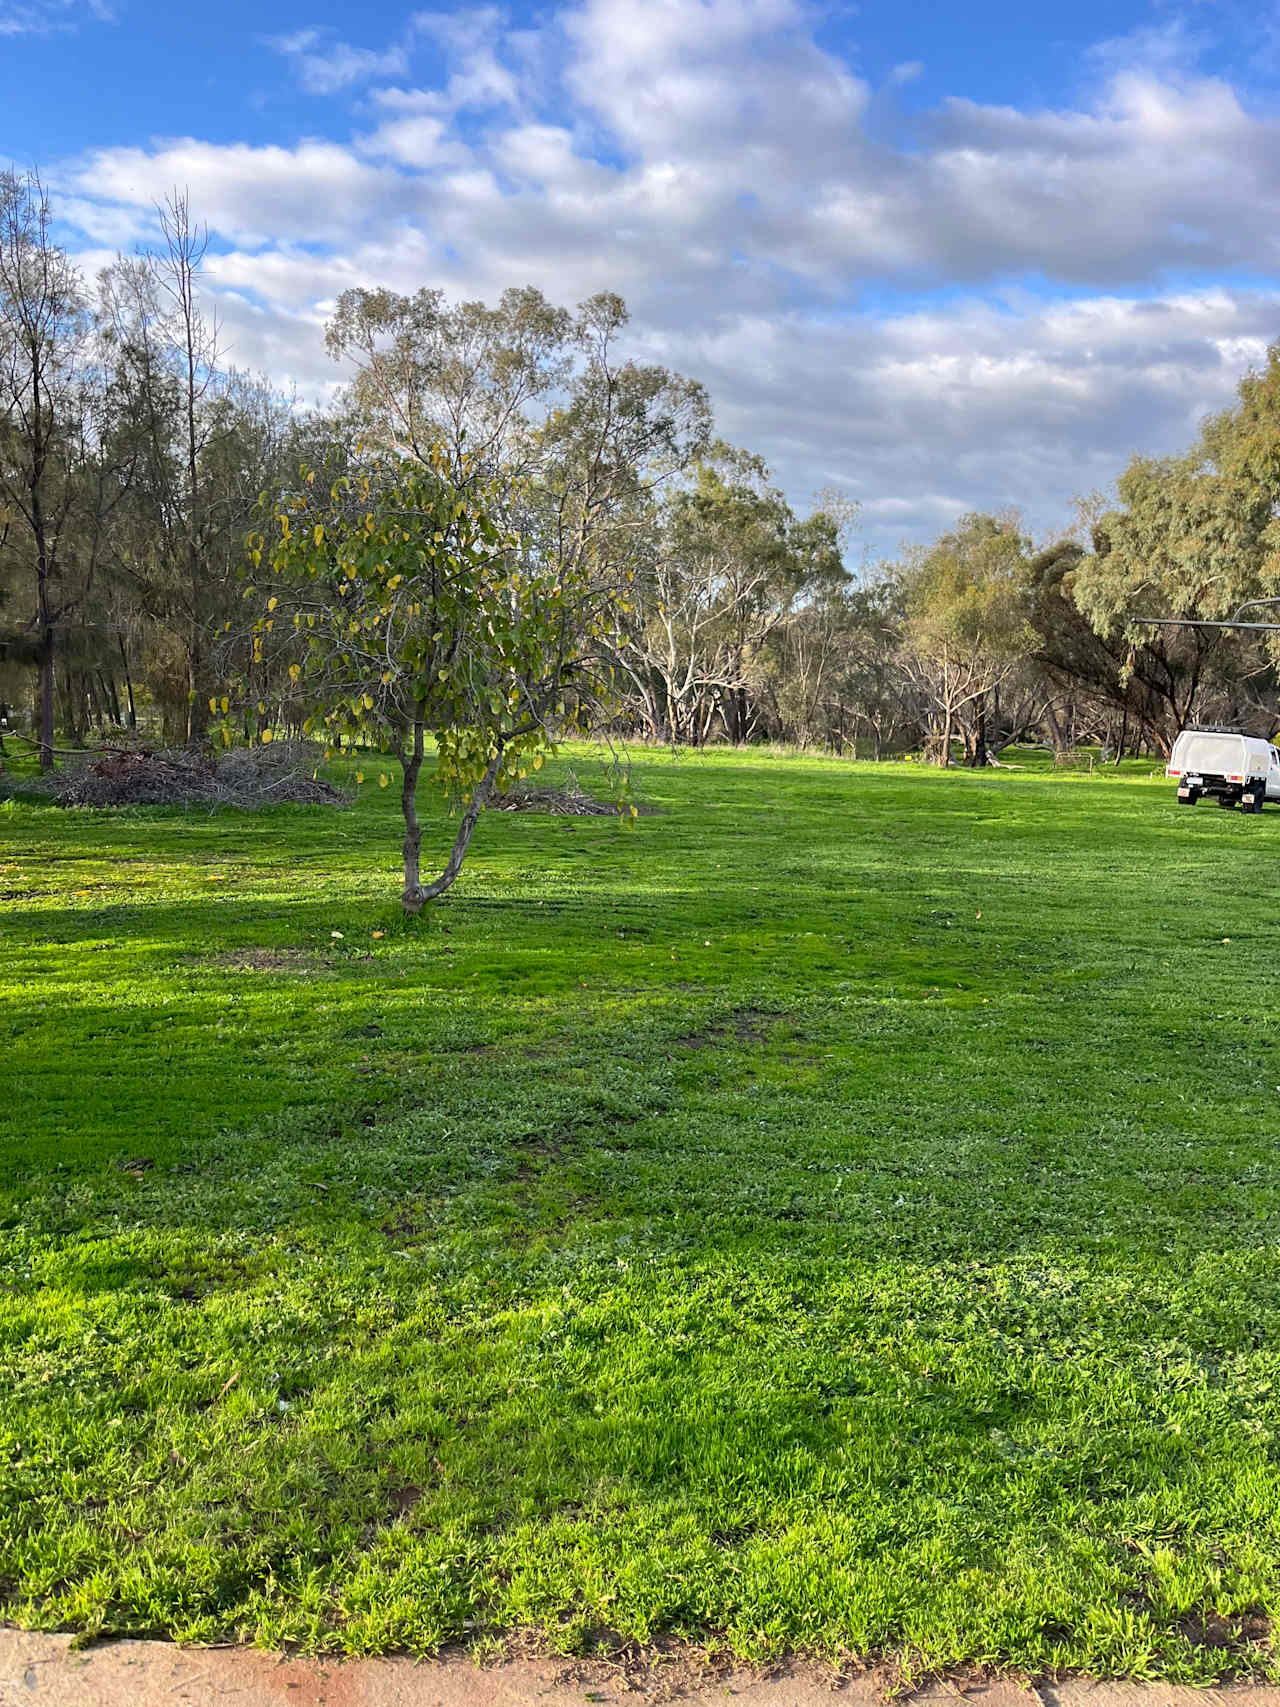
(842, 1214)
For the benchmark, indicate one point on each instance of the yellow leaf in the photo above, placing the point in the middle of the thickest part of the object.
(266, 736)
(272, 602)
(318, 535)
(359, 776)
(382, 779)
(213, 705)
(226, 705)
(295, 670)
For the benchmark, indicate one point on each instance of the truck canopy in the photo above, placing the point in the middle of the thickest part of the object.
(1209, 754)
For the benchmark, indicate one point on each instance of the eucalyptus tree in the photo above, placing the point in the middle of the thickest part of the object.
(526, 399)
(466, 378)
(570, 441)
(864, 690)
(966, 628)
(729, 564)
(1193, 536)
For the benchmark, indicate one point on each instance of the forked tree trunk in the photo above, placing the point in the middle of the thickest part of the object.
(944, 753)
(416, 893)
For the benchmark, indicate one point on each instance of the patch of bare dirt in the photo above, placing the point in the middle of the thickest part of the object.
(742, 1026)
(1231, 1634)
(266, 960)
(404, 1499)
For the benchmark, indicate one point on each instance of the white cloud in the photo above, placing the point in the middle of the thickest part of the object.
(315, 192)
(325, 65)
(713, 162)
(987, 406)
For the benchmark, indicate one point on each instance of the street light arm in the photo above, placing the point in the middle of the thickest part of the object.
(1252, 604)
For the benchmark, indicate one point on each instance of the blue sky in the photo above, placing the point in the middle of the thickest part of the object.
(939, 256)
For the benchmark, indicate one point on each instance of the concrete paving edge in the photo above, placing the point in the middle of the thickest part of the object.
(45, 1671)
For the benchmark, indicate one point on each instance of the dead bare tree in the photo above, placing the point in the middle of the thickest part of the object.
(195, 340)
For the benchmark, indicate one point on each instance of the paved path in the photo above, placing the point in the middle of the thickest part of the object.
(44, 1671)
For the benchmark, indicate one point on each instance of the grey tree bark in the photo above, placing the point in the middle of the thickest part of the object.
(416, 893)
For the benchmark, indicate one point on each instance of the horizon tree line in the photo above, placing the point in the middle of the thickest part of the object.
(136, 465)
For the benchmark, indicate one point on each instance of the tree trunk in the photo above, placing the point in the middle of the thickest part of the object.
(416, 893)
(197, 695)
(1055, 730)
(44, 619)
(44, 702)
(944, 752)
(128, 683)
(979, 759)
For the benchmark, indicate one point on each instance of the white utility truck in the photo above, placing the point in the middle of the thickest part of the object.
(1235, 769)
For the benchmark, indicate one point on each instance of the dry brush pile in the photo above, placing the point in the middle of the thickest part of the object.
(279, 773)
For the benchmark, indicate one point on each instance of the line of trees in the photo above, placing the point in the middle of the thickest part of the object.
(134, 459)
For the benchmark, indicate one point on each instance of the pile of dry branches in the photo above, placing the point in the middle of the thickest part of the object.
(571, 801)
(247, 777)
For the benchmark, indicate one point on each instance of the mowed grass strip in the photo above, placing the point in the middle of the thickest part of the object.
(841, 1215)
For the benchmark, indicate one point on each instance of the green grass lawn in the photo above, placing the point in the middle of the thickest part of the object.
(843, 1214)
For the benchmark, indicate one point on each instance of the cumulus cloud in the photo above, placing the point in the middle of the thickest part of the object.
(922, 414)
(715, 163)
(314, 192)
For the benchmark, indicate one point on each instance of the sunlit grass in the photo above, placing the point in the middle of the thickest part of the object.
(841, 1214)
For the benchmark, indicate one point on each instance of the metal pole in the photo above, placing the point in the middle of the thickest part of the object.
(1195, 622)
